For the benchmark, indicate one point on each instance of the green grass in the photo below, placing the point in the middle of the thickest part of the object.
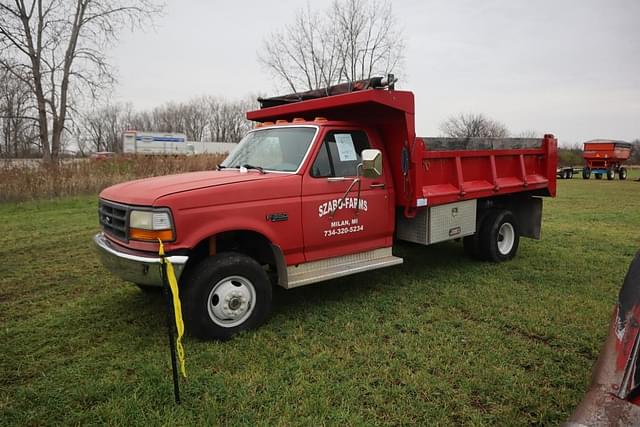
(440, 340)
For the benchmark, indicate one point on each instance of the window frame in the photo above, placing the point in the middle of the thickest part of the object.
(325, 147)
(306, 154)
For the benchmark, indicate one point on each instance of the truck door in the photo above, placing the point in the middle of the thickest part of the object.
(335, 221)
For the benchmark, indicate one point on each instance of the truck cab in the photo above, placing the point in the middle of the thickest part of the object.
(319, 190)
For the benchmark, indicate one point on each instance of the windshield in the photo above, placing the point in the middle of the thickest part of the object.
(275, 149)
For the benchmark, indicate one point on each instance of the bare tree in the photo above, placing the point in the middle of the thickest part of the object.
(56, 47)
(195, 119)
(369, 44)
(529, 133)
(17, 125)
(227, 121)
(473, 125)
(304, 54)
(353, 40)
(201, 119)
(102, 129)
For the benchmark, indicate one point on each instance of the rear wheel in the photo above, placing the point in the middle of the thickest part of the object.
(611, 174)
(500, 236)
(622, 173)
(586, 173)
(570, 175)
(226, 294)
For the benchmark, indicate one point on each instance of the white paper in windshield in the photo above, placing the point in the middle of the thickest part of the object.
(346, 150)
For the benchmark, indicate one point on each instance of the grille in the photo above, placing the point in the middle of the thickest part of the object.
(113, 218)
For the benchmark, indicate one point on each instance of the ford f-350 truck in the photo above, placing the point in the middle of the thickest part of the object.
(318, 190)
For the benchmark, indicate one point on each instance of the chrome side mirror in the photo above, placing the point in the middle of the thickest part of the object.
(371, 163)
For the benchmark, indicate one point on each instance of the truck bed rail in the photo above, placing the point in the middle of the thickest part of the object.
(445, 144)
(454, 169)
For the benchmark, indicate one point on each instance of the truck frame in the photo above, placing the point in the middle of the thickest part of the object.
(319, 190)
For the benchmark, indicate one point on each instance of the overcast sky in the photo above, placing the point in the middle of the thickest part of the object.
(569, 67)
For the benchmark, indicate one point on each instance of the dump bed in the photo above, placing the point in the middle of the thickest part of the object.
(606, 149)
(452, 169)
(427, 171)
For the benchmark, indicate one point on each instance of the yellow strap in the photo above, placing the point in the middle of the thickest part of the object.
(177, 309)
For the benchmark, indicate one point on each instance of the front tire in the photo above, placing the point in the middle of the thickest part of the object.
(226, 294)
(611, 174)
(500, 236)
(586, 173)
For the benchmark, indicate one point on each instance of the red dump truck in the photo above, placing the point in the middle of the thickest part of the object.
(319, 190)
(605, 157)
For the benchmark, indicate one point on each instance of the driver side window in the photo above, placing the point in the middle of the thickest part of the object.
(339, 154)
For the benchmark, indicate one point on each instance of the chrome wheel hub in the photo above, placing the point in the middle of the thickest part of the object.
(506, 238)
(231, 301)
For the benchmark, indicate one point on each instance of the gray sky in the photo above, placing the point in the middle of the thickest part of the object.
(569, 67)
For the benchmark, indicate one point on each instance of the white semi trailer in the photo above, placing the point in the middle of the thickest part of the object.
(136, 142)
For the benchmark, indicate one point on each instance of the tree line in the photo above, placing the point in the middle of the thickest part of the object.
(52, 63)
(206, 118)
(54, 50)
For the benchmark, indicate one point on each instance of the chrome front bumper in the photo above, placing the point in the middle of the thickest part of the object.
(135, 266)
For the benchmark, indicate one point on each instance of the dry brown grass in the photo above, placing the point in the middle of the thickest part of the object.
(34, 180)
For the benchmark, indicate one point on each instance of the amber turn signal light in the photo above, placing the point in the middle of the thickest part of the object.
(151, 235)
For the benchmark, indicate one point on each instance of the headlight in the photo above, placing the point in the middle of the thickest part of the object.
(150, 226)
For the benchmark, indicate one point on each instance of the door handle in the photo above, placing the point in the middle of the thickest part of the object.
(377, 185)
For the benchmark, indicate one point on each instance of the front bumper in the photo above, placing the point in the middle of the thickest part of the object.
(135, 266)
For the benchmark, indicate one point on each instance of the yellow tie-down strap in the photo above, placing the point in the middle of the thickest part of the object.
(177, 308)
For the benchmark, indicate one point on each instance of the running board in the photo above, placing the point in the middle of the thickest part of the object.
(331, 268)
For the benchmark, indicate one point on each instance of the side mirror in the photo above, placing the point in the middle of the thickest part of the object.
(371, 163)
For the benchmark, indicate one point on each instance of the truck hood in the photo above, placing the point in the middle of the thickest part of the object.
(143, 192)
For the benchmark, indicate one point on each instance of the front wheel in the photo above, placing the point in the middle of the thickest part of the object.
(500, 236)
(226, 294)
(586, 173)
(611, 174)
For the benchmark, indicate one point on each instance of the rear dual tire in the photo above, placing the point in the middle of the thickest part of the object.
(622, 173)
(497, 237)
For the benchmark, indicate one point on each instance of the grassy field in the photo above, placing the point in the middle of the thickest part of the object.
(440, 340)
